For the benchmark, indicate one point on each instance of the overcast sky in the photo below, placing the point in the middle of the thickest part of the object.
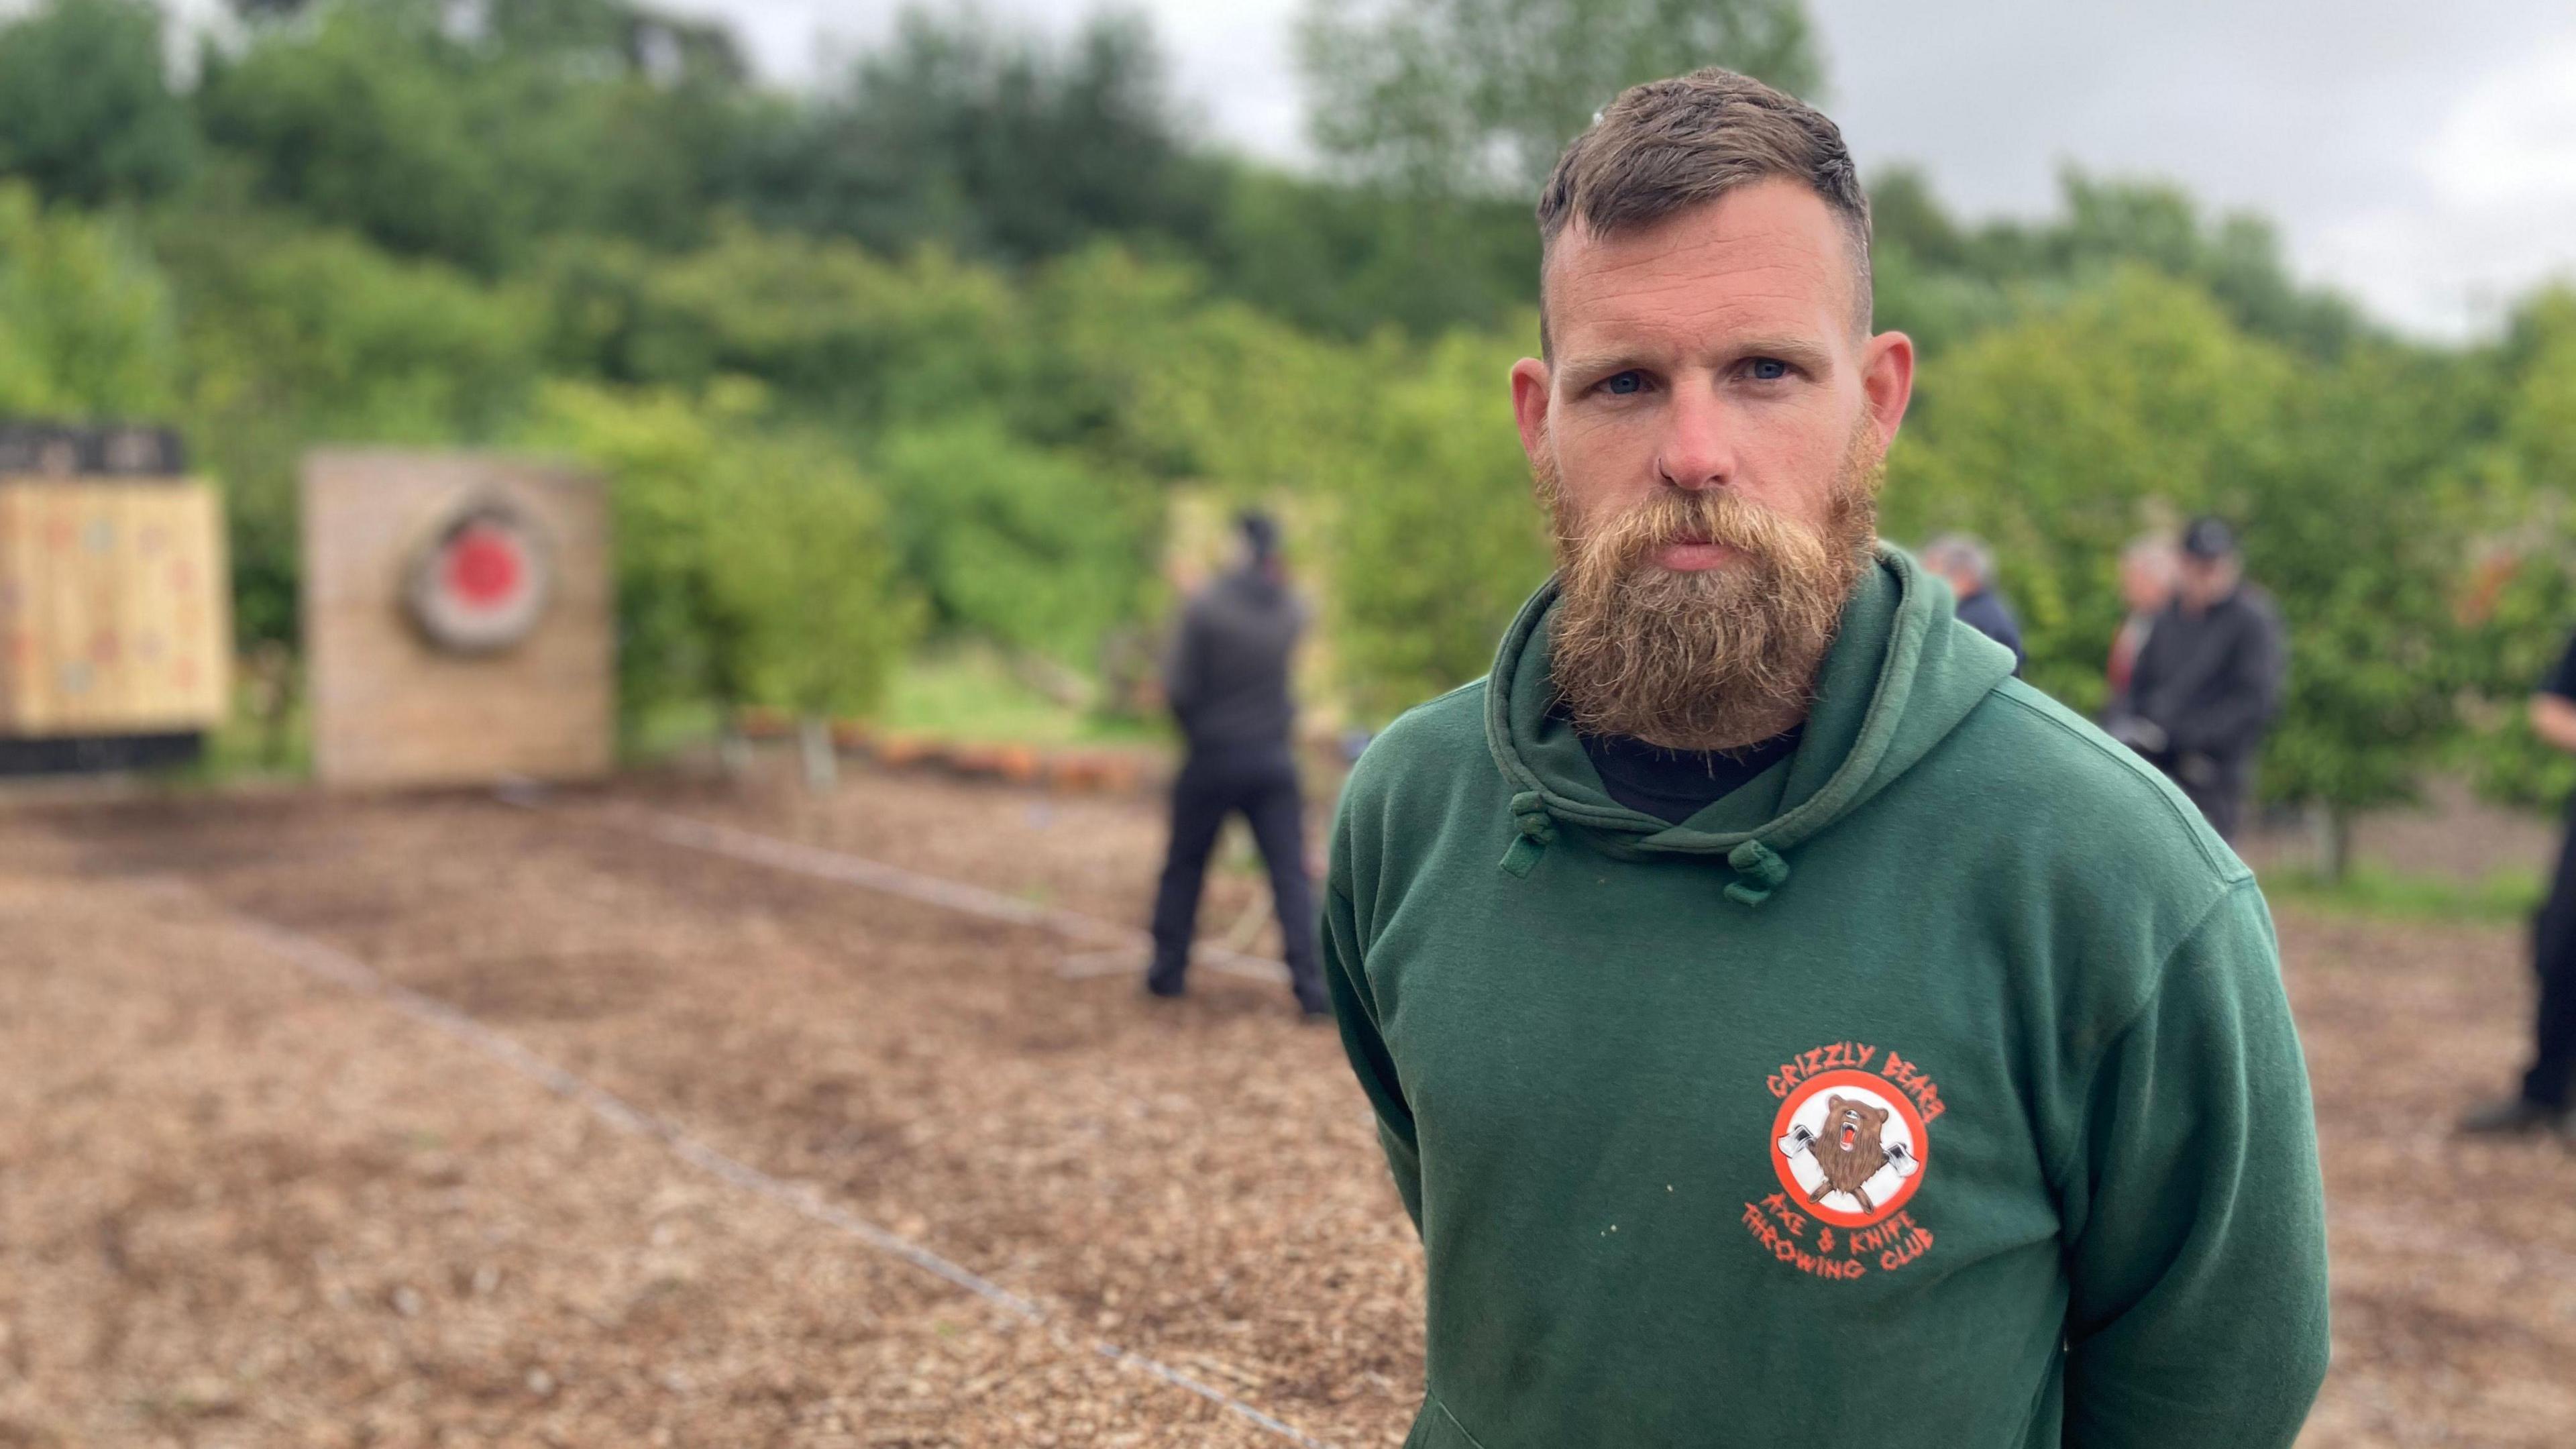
(2422, 155)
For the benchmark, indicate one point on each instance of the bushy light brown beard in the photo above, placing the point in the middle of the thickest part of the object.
(1716, 659)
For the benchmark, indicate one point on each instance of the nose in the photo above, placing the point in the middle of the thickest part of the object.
(1698, 449)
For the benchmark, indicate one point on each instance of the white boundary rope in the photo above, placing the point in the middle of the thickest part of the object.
(331, 964)
(833, 865)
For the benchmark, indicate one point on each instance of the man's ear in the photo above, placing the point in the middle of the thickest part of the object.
(1887, 381)
(1530, 387)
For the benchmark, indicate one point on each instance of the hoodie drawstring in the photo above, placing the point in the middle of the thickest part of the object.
(1762, 868)
(1537, 832)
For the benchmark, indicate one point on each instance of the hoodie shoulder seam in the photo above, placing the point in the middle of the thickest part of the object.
(2164, 972)
(2229, 872)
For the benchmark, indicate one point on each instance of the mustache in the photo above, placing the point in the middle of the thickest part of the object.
(1718, 658)
(1617, 545)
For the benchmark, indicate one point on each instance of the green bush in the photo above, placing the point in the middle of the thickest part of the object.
(753, 564)
(85, 328)
(2062, 436)
(1437, 539)
(291, 337)
(1039, 550)
(86, 111)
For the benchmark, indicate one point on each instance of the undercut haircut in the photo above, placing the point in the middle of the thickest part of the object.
(1666, 146)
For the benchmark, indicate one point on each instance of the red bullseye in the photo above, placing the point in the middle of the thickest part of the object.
(483, 566)
(479, 583)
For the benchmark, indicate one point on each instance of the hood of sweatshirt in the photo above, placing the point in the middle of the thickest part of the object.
(1901, 675)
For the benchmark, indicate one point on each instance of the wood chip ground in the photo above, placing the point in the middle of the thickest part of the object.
(242, 1205)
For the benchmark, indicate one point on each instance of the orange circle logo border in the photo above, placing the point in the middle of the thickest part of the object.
(1885, 1091)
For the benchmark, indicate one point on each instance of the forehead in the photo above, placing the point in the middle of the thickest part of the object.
(1767, 257)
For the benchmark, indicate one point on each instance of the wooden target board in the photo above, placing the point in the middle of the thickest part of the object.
(457, 617)
(114, 610)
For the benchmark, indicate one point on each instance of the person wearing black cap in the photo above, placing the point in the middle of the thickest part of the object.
(1227, 683)
(2208, 680)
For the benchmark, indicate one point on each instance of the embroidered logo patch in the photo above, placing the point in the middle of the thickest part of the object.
(1850, 1145)
(1851, 1150)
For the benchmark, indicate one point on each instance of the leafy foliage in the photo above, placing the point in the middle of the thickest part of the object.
(84, 316)
(86, 112)
(1443, 95)
(929, 350)
(469, 146)
(752, 564)
(290, 336)
(1029, 547)
(2519, 600)
(800, 559)
(1942, 282)
(990, 145)
(2361, 537)
(2137, 401)
(2063, 436)
(834, 330)
(1438, 539)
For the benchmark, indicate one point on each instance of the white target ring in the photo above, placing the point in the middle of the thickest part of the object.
(481, 580)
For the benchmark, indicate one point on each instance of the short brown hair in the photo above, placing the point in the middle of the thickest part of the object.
(1669, 145)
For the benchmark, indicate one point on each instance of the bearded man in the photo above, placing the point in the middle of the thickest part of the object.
(1785, 1026)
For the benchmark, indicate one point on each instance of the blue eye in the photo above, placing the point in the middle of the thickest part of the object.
(1769, 369)
(1624, 384)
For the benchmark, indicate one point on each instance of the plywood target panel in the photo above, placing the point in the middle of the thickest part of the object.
(113, 612)
(458, 619)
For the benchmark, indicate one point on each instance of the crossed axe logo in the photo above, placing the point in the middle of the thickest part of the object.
(1801, 1140)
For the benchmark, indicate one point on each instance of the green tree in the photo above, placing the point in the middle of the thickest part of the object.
(1435, 536)
(2137, 401)
(85, 328)
(1138, 365)
(798, 558)
(753, 565)
(1928, 276)
(836, 332)
(1038, 550)
(369, 118)
(2061, 437)
(86, 111)
(291, 336)
(1446, 96)
(470, 144)
(1944, 281)
(1347, 259)
(2363, 538)
(993, 144)
(2519, 599)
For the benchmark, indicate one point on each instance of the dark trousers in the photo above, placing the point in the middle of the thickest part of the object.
(1262, 787)
(2553, 955)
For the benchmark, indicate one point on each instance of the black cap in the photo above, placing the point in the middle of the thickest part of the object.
(2208, 538)
(1260, 531)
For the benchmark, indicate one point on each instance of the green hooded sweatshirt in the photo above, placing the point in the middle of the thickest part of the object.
(1934, 1088)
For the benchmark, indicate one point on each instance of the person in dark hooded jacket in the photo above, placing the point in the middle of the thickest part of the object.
(2208, 680)
(2546, 1102)
(1227, 684)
